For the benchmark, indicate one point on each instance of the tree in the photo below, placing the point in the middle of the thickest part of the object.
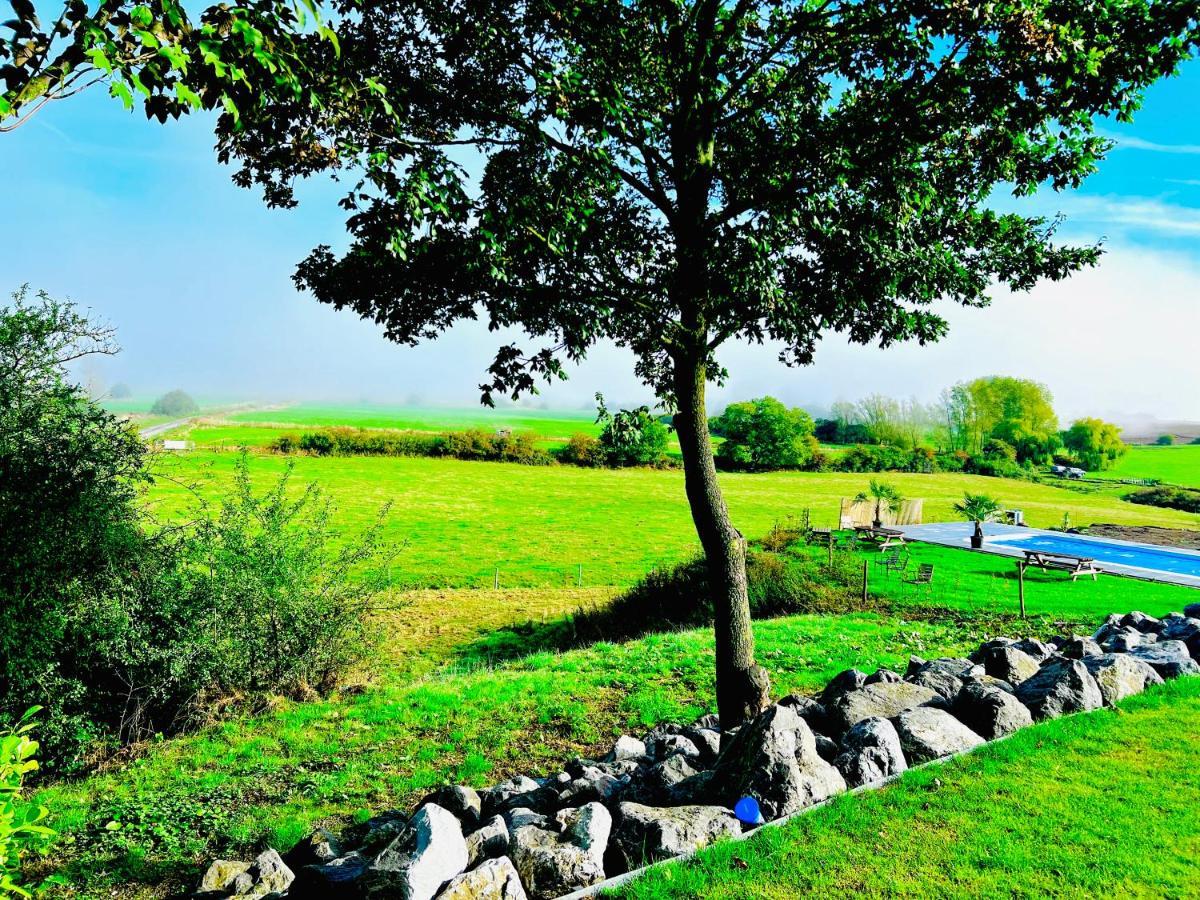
(977, 508)
(631, 437)
(1165, 440)
(120, 391)
(231, 58)
(885, 496)
(764, 434)
(174, 403)
(1096, 444)
(1018, 411)
(672, 176)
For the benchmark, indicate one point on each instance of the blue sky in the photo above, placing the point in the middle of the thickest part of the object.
(139, 223)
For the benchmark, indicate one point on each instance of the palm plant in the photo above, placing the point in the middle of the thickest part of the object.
(885, 496)
(977, 508)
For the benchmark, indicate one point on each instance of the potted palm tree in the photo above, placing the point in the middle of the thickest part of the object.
(885, 497)
(977, 508)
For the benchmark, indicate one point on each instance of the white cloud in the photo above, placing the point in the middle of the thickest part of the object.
(1128, 142)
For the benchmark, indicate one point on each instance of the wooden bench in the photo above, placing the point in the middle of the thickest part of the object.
(1062, 562)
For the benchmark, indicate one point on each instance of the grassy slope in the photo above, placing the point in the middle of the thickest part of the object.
(461, 520)
(1096, 805)
(1175, 465)
(231, 787)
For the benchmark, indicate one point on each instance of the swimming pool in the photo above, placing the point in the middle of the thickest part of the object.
(1115, 553)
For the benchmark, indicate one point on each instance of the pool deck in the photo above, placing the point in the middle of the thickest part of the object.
(958, 534)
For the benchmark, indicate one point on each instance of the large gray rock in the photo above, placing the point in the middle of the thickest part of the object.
(842, 683)
(990, 711)
(1123, 639)
(1079, 647)
(883, 676)
(654, 785)
(827, 748)
(592, 783)
(318, 848)
(927, 733)
(627, 747)
(774, 759)
(496, 879)
(460, 800)
(671, 745)
(647, 834)
(1192, 610)
(707, 741)
(518, 791)
(488, 841)
(1060, 687)
(944, 676)
(225, 876)
(811, 710)
(1170, 659)
(870, 753)
(555, 863)
(878, 700)
(1009, 664)
(1119, 675)
(418, 863)
(267, 876)
(1142, 622)
(1037, 649)
(1179, 628)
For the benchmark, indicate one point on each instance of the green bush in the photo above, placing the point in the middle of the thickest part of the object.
(1167, 497)
(632, 437)
(19, 828)
(1165, 440)
(174, 403)
(583, 450)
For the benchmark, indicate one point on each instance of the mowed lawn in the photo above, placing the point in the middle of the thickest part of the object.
(143, 829)
(460, 522)
(1104, 804)
(1174, 465)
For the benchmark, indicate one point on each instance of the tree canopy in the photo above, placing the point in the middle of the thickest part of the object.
(1096, 444)
(764, 434)
(669, 176)
(1017, 411)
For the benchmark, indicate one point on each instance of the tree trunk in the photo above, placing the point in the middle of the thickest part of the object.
(743, 688)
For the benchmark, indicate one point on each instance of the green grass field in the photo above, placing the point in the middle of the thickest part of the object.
(1174, 465)
(1087, 806)
(557, 424)
(460, 521)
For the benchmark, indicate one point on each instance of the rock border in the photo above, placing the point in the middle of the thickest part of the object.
(598, 825)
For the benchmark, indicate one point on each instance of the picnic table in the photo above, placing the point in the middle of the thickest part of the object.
(1062, 562)
(883, 537)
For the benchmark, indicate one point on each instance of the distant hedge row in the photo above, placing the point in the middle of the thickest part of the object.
(1168, 498)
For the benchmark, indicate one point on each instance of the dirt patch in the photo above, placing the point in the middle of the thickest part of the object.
(1149, 534)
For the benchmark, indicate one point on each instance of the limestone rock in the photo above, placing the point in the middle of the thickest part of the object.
(417, 864)
(647, 834)
(627, 747)
(870, 752)
(812, 711)
(707, 741)
(883, 676)
(463, 802)
(774, 759)
(1179, 628)
(495, 879)
(944, 676)
(843, 683)
(989, 710)
(882, 700)
(1009, 664)
(1142, 622)
(488, 841)
(827, 748)
(336, 878)
(1035, 648)
(317, 849)
(927, 733)
(1123, 639)
(1170, 659)
(552, 864)
(1078, 647)
(1119, 675)
(223, 875)
(1061, 686)
(522, 816)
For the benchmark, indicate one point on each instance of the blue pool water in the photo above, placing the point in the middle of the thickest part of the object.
(1162, 559)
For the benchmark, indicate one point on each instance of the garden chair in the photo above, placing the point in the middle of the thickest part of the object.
(924, 575)
(895, 561)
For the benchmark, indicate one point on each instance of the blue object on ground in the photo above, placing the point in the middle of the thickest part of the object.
(748, 812)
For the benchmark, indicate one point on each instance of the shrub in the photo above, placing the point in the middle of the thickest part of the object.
(583, 450)
(174, 403)
(1165, 440)
(996, 449)
(632, 437)
(285, 443)
(1167, 497)
(19, 828)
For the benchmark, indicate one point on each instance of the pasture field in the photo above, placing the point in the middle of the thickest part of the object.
(460, 521)
(1174, 465)
(1036, 815)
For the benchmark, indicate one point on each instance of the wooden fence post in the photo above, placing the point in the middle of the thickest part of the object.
(866, 563)
(1021, 585)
